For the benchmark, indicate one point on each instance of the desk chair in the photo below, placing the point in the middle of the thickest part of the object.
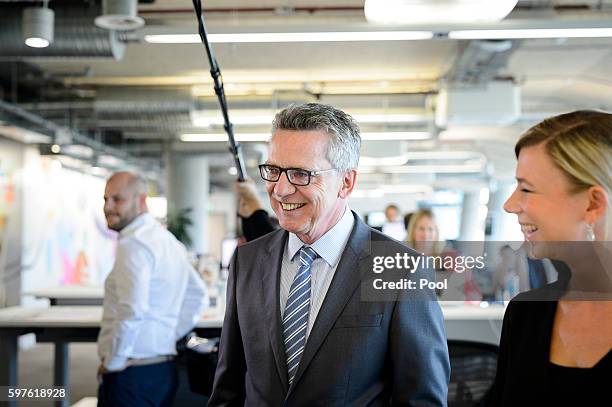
(473, 369)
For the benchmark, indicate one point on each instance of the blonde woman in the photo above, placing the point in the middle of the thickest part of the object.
(556, 340)
(424, 237)
(423, 234)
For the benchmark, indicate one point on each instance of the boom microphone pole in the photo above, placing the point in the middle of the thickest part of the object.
(215, 72)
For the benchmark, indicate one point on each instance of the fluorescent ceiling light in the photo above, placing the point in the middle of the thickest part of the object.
(222, 137)
(395, 135)
(473, 157)
(389, 118)
(367, 193)
(436, 11)
(391, 189)
(200, 120)
(434, 169)
(22, 135)
(445, 155)
(207, 121)
(531, 33)
(346, 36)
(378, 161)
(264, 137)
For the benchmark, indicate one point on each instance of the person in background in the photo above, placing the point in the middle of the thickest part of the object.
(506, 276)
(517, 272)
(407, 218)
(152, 298)
(424, 237)
(392, 213)
(556, 341)
(423, 233)
(255, 220)
(297, 331)
(393, 225)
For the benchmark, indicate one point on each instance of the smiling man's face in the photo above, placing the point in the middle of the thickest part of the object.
(122, 202)
(308, 211)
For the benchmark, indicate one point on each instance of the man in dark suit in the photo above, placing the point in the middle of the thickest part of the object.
(298, 328)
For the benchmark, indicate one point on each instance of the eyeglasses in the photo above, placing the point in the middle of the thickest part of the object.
(296, 176)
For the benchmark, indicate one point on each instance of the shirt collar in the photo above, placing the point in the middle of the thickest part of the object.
(137, 222)
(329, 246)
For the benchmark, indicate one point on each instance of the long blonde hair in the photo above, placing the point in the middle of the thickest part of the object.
(580, 144)
(411, 232)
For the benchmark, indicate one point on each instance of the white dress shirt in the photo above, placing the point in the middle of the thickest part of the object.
(329, 247)
(152, 296)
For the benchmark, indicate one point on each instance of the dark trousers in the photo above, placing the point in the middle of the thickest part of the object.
(149, 385)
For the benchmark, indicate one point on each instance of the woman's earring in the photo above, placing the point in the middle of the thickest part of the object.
(590, 233)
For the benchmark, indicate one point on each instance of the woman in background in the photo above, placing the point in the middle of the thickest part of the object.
(556, 340)
(423, 233)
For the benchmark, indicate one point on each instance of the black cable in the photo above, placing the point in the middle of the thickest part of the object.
(215, 72)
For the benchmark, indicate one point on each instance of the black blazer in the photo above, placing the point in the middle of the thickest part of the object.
(359, 353)
(524, 355)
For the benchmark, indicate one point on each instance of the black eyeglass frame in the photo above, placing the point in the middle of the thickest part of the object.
(311, 174)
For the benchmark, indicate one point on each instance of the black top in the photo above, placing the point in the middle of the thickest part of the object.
(525, 375)
(569, 385)
(257, 225)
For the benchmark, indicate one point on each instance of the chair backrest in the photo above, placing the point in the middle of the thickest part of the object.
(473, 369)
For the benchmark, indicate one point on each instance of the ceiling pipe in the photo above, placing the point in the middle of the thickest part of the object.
(75, 35)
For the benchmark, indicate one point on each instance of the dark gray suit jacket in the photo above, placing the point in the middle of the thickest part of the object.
(359, 353)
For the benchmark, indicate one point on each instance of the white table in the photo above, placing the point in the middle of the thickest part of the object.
(473, 323)
(64, 324)
(61, 325)
(70, 294)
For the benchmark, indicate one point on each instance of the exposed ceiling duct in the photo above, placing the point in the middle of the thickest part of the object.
(75, 35)
(480, 61)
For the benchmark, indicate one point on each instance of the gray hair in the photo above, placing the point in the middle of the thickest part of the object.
(344, 139)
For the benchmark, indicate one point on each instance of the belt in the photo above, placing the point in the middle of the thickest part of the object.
(150, 361)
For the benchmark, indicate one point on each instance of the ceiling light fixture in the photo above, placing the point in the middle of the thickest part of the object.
(531, 33)
(434, 168)
(37, 26)
(436, 11)
(347, 36)
(119, 15)
(395, 136)
(200, 120)
(264, 137)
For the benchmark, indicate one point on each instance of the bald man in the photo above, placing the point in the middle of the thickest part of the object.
(152, 298)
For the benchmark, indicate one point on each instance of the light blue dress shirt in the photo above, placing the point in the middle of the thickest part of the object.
(329, 247)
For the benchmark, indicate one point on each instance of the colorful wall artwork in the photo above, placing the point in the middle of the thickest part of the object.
(66, 241)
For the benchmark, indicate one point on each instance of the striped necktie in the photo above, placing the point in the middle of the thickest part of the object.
(295, 318)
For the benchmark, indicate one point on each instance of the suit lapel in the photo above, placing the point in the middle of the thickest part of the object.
(270, 265)
(346, 280)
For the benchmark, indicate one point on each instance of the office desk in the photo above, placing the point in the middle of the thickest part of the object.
(60, 325)
(70, 295)
(63, 324)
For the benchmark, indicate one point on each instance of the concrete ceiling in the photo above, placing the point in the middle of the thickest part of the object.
(555, 75)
